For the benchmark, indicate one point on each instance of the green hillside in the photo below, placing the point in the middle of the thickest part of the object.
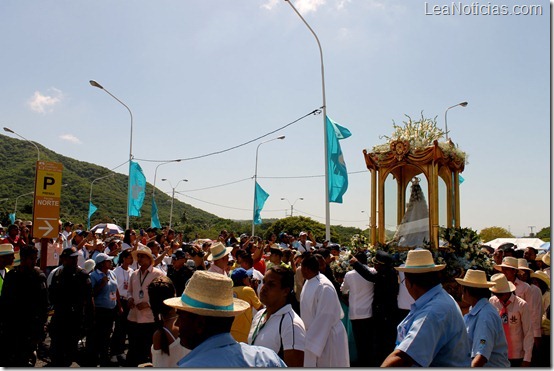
(109, 195)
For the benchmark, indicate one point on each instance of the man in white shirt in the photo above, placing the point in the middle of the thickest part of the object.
(303, 243)
(219, 256)
(326, 340)
(360, 303)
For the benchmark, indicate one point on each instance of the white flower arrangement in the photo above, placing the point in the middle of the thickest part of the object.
(420, 134)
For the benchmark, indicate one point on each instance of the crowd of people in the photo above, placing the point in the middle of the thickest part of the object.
(148, 298)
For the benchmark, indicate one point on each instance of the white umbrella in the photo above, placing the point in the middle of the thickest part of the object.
(112, 228)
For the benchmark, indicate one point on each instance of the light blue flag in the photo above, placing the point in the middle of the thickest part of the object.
(154, 220)
(460, 178)
(12, 217)
(91, 210)
(137, 189)
(259, 200)
(338, 175)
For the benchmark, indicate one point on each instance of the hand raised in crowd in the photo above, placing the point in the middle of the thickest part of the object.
(353, 260)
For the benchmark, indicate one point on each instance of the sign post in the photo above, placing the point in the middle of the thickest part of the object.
(46, 208)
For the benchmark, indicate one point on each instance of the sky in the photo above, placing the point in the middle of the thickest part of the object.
(203, 76)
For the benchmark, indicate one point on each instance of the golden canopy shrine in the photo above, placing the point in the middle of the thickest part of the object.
(405, 163)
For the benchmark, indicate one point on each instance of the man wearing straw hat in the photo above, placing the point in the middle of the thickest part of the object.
(484, 327)
(219, 256)
(206, 311)
(141, 320)
(516, 320)
(433, 334)
(510, 267)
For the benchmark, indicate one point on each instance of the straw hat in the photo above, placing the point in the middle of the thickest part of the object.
(6, 249)
(218, 251)
(89, 265)
(475, 278)
(420, 261)
(546, 258)
(209, 294)
(543, 276)
(523, 264)
(507, 262)
(143, 250)
(501, 284)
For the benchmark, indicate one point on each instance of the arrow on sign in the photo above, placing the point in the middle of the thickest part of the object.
(48, 229)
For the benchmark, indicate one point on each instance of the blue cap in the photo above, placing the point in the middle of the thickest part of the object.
(240, 274)
(102, 257)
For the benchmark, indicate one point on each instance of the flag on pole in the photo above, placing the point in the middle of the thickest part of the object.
(259, 200)
(155, 221)
(91, 210)
(338, 175)
(12, 217)
(460, 178)
(137, 189)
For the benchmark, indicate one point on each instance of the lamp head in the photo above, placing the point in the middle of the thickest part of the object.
(463, 104)
(8, 130)
(281, 137)
(164, 179)
(95, 84)
(301, 198)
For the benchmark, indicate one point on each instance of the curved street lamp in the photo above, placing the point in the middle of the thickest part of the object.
(172, 196)
(256, 179)
(463, 104)
(154, 189)
(292, 205)
(97, 85)
(22, 137)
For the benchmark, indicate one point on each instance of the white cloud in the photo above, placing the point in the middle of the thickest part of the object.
(44, 103)
(70, 138)
(303, 6)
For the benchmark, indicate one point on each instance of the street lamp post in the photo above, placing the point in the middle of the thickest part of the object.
(154, 185)
(324, 108)
(172, 196)
(97, 85)
(463, 104)
(453, 199)
(256, 180)
(17, 198)
(13, 132)
(292, 205)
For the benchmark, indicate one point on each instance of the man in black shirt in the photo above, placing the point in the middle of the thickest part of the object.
(385, 302)
(179, 272)
(71, 296)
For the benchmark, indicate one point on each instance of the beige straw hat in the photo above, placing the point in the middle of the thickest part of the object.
(543, 276)
(141, 249)
(209, 294)
(218, 251)
(507, 262)
(6, 249)
(546, 258)
(522, 264)
(420, 261)
(475, 278)
(501, 284)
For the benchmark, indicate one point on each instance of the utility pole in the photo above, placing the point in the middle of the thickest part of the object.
(531, 228)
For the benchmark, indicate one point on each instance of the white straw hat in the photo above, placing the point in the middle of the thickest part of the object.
(475, 278)
(89, 265)
(507, 262)
(501, 284)
(209, 294)
(522, 264)
(420, 261)
(546, 258)
(218, 251)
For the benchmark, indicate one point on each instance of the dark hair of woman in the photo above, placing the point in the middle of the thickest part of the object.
(127, 236)
(124, 254)
(159, 289)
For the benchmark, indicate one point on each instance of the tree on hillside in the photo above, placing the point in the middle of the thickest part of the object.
(490, 233)
(295, 224)
(544, 234)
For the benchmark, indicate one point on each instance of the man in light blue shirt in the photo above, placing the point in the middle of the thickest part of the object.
(433, 334)
(206, 313)
(489, 347)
